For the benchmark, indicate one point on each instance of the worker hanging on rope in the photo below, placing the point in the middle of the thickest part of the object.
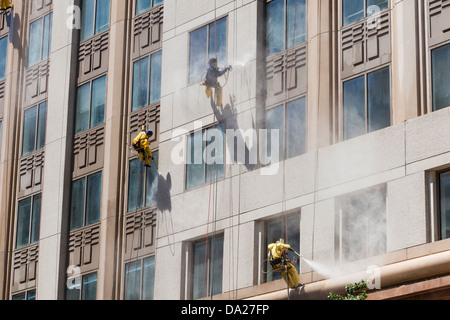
(142, 145)
(279, 260)
(5, 5)
(210, 81)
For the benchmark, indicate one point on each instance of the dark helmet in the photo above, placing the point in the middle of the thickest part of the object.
(149, 133)
(212, 60)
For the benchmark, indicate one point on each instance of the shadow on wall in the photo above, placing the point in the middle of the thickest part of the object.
(164, 205)
(163, 200)
(228, 116)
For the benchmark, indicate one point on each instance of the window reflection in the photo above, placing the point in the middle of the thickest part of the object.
(440, 68)
(366, 103)
(205, 43)
(285, 24)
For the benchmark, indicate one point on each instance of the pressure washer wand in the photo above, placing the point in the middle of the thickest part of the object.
(298, 254)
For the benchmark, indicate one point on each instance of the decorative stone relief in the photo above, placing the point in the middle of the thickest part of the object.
(25, 265)
(36, 81)
(31, 173)
(366, 44)
(439, 15)
(88, 151)
(140, 233)
(286, 74)
(84, 248)
(93, 57)
(39, 8)
(148, 28)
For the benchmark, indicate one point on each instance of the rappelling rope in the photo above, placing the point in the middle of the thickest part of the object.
(138, 205)
(213, 165)
(285, 134)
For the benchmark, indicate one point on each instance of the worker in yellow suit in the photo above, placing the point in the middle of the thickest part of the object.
(279, 261)
(142, 145)
(4, 5)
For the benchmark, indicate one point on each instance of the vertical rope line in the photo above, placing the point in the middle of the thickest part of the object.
(142, 165)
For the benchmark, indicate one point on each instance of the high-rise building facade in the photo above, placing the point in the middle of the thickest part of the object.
(331, 135)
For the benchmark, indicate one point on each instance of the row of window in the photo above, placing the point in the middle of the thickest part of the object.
(356, 214)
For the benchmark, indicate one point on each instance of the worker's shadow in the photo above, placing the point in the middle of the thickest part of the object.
(164, 205)
(228, 116)
(163, 194)
(13, 22)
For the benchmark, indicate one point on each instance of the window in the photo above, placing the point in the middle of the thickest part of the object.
(94, 17)
(86, 201)
(361, 117)
(205, 156)
(86, 289)
(147, 81)
(143, 5)
(440, 68)
(3, 55)
(28, 221)
(207, 278)
(285, 24)
(40, 39)
(444, 196)
(140, 279)
(354, 10)
(142, 184)
(206, 43)
(286, 228)
(291, 118)
(90, 107)
(34, 127)
(361, 223)
(28, 295)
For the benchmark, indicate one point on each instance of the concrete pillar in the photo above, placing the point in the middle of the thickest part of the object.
(406, 61)
(8, 144)
(115, 160)
(58, 151)
(320, 73)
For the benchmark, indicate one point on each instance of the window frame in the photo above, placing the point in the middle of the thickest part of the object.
(283, 219)
(43, 38)
(439, 224)
(209, 250)
(342, 251)
(284, 144)
(343, 24)
(94, 22)
(29, 295)
(37, 129)
(126, 280)
(4, 56)
(431, 73)
(89, 120)
(366, 101)
(31, 219)
(82, 285)
(208, 42)
(286, 27)
(85, 201)
(148, 86)
(206, 179)
(152, 5)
